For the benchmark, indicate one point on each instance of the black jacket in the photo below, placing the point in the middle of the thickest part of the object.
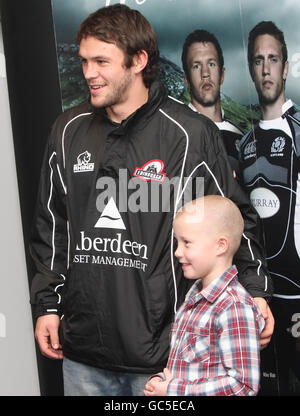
(107, 265)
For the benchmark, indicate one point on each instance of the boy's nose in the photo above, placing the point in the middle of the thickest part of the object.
(178, 252)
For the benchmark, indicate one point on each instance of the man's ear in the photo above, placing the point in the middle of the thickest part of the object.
(222, 77)
(251, 72)
(285, 70)
(185, 79)
(140, 60)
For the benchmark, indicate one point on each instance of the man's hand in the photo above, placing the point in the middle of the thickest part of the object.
(265, 336)
(156, 386)
(46, 334)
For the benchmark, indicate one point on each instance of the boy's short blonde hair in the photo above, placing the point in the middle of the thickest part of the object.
(222, 213)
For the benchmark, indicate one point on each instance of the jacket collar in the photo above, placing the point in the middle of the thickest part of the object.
(157, 96)
(192, 107)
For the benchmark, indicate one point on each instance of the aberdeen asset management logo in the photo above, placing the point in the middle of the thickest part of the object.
(151, 171)
(110, 217)
(113, 249)
(83, 163)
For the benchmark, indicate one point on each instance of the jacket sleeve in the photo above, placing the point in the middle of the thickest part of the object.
(49, 238)
(218, 179)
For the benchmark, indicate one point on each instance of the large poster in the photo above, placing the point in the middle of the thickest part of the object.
(173, 20)
(230, 21)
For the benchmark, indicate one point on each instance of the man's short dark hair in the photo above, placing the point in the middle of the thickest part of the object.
(265, 28)
(200, 35)
(129, 30)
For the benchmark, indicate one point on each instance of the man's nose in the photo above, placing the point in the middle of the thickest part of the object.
(90, 71)
(205, 73)
(266, 67)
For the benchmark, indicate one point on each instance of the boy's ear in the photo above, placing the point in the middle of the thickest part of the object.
(222, 245)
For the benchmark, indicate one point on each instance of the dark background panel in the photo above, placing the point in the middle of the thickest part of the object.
(35, 101)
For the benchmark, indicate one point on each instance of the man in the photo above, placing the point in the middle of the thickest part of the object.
(204, 72)
(270, 171)
(103, 242)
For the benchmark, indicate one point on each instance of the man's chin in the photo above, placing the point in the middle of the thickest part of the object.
(268, 99)
(96, 103)
(207, 102)
(263, 101)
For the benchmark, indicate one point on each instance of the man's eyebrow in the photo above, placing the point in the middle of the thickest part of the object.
(270, 55)
(197, 62)
(92, 57)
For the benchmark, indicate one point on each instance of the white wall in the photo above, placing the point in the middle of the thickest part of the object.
(18, 368)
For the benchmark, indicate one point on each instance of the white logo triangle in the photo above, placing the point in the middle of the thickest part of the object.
(110, 217)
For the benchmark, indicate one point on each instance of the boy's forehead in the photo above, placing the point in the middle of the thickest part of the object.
(203, 211)
(189, 217)
(195, 207)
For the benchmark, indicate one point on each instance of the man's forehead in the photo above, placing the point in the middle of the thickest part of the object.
(267, 45)
(92, 42)
(202, 48)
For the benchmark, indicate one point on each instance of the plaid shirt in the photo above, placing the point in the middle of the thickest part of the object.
(215, 341)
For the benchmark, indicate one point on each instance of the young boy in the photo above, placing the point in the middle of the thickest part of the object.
(215, 337)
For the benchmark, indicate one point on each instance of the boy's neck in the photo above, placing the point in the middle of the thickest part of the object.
(217, 271)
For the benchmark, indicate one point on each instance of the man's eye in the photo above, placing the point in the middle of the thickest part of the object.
(101, 62)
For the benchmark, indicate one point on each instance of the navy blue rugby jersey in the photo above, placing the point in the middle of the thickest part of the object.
(269, 164)
(231, 135)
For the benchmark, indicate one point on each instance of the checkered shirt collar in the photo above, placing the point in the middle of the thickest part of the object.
(214, 289)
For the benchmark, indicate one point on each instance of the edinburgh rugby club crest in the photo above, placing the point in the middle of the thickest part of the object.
(151, 171)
